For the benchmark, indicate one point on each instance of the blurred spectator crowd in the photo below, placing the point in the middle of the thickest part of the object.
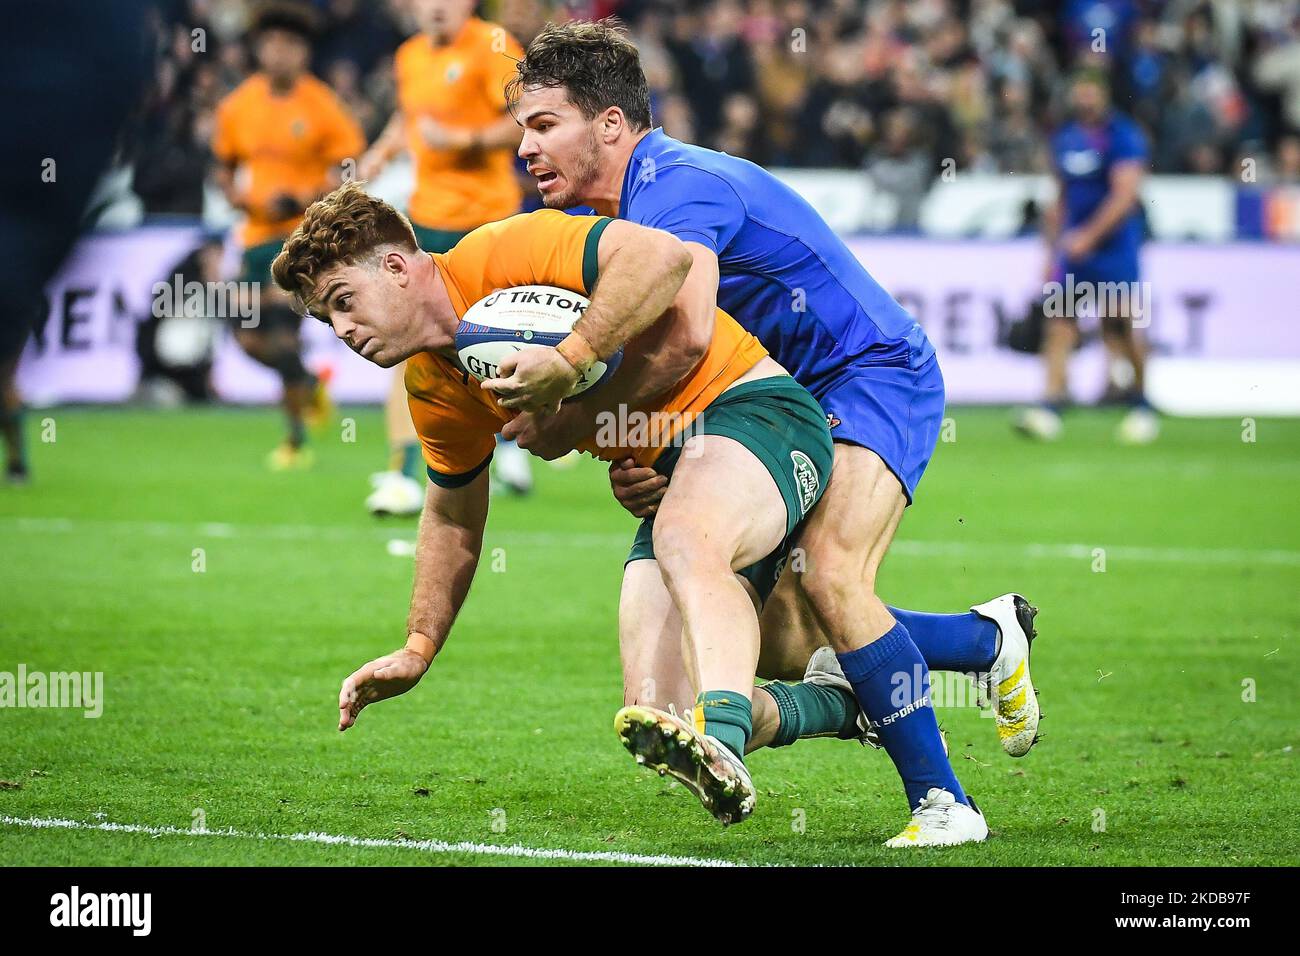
(900, 88)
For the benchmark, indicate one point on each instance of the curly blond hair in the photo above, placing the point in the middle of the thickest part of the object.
(344, 228)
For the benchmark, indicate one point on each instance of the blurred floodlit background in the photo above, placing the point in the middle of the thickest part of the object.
(919, 129)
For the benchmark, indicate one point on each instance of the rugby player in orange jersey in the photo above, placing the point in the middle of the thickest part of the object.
(747, 469)
(451, 119)
(280, 140)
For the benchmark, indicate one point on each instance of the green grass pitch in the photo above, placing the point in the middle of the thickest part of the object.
(1169, 679)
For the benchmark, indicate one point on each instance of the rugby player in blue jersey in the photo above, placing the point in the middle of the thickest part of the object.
(764, 255)
(1094, 234)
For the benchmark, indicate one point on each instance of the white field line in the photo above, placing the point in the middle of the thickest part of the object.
(1031, 551)
(329, 839)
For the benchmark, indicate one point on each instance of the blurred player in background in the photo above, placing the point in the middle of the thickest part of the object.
(451, 117)
(1094, 237)
(281, 139)
(62, 121)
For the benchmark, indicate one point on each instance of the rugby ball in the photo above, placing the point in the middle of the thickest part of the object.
(526, 316)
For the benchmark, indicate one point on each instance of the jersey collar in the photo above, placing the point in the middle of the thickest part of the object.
(650, 144)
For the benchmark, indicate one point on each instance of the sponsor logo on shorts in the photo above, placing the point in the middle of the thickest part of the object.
(832, 420)
(805, 475)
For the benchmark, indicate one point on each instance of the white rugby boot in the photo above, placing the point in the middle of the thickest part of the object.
(939, 820)
(512, 468)
(1007, 685)
(1039, 423)
(395, 494)
(1141, 426)
(824, 669)
(703, 764)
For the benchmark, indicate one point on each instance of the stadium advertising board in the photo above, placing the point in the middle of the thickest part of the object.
(1223, 323)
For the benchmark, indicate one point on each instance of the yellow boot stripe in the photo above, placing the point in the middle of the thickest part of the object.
(1009, 705)
(1011, 728)
(1009, 684)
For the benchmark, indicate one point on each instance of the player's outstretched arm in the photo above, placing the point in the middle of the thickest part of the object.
(446, 556)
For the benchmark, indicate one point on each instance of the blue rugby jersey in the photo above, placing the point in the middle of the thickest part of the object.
(1084, 157)
(785, 276)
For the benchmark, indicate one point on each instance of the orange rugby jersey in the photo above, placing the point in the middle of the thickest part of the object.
(283, 144)
(460, 85)
(457, 420)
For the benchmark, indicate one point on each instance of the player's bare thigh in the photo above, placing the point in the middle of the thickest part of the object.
(844, 543)
(721, 500)
(723, 511)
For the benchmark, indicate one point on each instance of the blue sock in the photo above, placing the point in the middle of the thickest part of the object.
(951, 642)
(892, 684)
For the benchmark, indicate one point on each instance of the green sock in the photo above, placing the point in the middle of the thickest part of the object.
(812, 710)
(726, 716)
(413, 461)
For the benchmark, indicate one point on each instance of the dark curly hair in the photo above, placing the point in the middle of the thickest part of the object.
(595, 63)
(292, 16)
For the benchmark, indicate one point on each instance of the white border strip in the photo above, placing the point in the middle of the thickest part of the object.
(329, 839)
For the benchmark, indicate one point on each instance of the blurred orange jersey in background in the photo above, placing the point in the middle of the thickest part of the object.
(460, 85)
(283, 144)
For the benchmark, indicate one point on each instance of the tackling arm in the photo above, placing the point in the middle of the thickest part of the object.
(653, 362)
(642, 273)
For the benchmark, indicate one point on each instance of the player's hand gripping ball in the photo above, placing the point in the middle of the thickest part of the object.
(500, 327)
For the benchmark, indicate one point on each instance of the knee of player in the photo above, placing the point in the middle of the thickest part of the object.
(837, 580)
(682, 552)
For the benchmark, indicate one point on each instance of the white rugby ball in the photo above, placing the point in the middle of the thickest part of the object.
(526, 316)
